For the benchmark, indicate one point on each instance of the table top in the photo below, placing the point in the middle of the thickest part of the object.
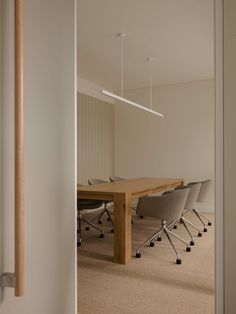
(134, 187)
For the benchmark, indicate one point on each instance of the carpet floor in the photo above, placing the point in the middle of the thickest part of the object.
(153, 284)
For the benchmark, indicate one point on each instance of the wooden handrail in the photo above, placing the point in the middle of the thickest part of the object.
(19, 145)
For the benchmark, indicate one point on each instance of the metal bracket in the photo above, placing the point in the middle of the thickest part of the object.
(8, 280)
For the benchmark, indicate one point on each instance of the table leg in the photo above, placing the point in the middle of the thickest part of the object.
(122, 228)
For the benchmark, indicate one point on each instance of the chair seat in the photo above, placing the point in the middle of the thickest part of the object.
(92, 210)
(88, 204)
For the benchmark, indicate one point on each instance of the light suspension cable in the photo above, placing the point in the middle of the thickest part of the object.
(121, 98)
(150, 79)
(121, 36)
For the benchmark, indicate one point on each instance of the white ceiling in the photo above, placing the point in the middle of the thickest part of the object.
(177, 33)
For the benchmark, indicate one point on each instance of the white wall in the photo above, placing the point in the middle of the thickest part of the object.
(91, 89)
(179, 145)
(50, 175)
(95, 120)
(229, 154)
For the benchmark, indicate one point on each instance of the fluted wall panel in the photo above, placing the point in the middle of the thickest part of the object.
(95, 138)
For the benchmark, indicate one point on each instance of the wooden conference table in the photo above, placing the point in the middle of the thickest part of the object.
(122, 193)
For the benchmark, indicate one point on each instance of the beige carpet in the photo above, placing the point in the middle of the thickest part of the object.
(152, 284)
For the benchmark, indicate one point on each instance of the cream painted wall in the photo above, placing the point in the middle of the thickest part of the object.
(50, 175)
(91, 89)
(180, 145)
(230, 154)
(94, 138)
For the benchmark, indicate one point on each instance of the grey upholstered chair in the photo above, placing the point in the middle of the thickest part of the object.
(194, 189)
(115, 178)
(134, 202)
(169, 208)
(205, 185)
(190, 206)
(96, 181)
(108, 205)
(87, 207)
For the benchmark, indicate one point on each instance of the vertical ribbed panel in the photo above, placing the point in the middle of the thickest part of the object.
(95, 138)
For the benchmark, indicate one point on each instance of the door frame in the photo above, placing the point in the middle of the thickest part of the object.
(219, 157)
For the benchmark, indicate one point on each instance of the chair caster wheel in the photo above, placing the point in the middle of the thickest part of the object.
(108, 219)
(192, 243)
(205, 229)
(178, 261)
(78, 243)
(159, 239)
(138, 255)
(87, 228)
(209, 223)
(112, 231)
(181, 221)
(99, 221)
(175, 226)
(101, 236)
(199, 234)
(152, 244)
(141, 217)
(188, 249)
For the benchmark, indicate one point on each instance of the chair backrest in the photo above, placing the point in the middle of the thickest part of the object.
(96, 181)
(168, 206)
(205, 185)
(193, 194)
(115, 178)
(88, 204)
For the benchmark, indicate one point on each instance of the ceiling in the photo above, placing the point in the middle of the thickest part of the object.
(179, 34)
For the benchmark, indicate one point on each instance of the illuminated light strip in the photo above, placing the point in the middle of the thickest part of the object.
(129, 102)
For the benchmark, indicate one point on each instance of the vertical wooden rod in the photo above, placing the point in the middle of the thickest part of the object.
(18, 146)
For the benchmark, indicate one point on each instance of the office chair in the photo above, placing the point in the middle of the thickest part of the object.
(115, 178)
(134, 202)
(205, 185)
(201, 189)
(87, 207)
(167, 207)
(108, 204)
(189, 207)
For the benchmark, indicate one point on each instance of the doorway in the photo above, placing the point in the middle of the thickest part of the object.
(100, 68)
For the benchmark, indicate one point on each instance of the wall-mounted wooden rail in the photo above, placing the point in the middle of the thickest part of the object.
(19, 145)
(16, 279)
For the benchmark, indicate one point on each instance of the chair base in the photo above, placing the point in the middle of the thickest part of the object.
(79, 230)
(168, 233)
(200, 216)
(188, 231)
(108, 213)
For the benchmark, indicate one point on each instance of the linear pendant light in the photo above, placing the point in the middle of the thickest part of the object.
(121, 97)
(130, 102)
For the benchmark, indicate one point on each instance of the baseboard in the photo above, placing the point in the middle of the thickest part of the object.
(204, 208)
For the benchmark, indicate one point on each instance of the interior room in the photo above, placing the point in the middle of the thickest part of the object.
(150, 137)
(141, 247)
(158, 55)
